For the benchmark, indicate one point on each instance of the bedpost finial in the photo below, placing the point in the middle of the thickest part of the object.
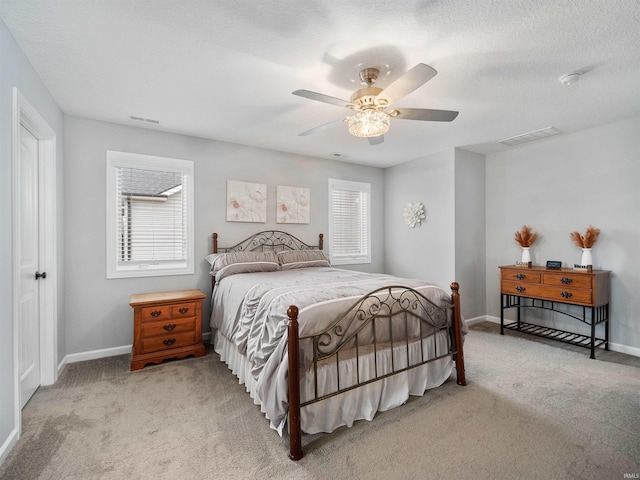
(292, 312)
(455, 286)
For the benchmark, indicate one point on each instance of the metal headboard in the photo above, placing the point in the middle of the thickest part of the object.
(269, 240)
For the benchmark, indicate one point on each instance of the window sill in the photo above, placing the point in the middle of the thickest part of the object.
(149, 272)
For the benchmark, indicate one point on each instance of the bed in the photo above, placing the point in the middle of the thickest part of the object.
(359, 342)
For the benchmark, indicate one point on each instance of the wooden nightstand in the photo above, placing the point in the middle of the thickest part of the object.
(166, 325)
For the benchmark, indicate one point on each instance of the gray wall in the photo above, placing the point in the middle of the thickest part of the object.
(15, 70)
(426, 251)
(98, 312)
(450, 243)
(470, 232)
(566, 183)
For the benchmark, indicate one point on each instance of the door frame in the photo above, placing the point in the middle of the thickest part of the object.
(25, 114)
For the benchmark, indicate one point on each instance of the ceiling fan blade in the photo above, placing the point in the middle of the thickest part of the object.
(321, 97)
(407, 83)
(424, 114)
(320, 127)
(376, 140)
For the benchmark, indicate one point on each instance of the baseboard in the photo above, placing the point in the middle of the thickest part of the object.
(617, 347)
(106, 352)
(94, 354)
(8, 445)
(474, 320)
(206, 337)
(492, 319)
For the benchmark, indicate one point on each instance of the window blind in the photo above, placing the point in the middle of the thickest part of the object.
(350, 211)
(151, 211)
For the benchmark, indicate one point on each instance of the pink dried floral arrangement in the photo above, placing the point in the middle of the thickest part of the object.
(587, 240)
(525, 237)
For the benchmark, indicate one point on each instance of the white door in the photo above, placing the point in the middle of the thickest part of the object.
(28, 258)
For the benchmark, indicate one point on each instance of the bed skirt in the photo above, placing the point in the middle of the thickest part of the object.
(358, 404)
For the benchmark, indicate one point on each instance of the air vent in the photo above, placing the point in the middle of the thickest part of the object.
(531, 136)
(142, 119)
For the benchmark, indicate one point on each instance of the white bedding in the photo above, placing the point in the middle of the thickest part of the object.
(249, 332)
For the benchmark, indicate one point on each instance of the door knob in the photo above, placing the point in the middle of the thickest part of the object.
(41, 275)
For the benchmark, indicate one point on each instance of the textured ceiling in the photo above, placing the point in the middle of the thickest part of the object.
(225, 70)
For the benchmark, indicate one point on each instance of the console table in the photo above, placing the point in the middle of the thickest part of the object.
(539, 287)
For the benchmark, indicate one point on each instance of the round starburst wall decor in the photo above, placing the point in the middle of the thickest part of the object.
(413, 214)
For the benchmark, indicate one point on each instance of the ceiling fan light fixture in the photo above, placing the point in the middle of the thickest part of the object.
(371, 106)
(368, 123)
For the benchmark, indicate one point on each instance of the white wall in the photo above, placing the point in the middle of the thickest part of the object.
(98, 312)
(426, 252)
(566, 183)
(16, 71)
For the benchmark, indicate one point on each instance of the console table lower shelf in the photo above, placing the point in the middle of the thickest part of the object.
(598, 315)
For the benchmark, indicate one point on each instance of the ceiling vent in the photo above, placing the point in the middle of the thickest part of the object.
(531, 136)
(142, 119)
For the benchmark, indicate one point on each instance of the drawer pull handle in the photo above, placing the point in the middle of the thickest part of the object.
(169, 341)
(156, 313)
(566, 294)
(169, 327)
(183, 310)
(566, 281)
(520, 288)
(520, 276)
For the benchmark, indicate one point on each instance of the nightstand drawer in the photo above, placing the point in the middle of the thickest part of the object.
(171, 327)
(183, 310)
(154, 314)
(155, 344)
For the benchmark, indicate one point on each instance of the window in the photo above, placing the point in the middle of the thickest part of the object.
(349, 222)
(149, 216)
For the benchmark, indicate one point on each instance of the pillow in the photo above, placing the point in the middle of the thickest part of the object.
(290, 259)
(225, 264)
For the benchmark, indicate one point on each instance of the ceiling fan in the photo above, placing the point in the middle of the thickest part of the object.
(372, 106)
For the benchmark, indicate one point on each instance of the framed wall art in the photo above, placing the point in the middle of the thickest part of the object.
(246, 202)
(293, 204)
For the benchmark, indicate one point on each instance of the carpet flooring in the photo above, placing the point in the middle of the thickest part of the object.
(532, 409)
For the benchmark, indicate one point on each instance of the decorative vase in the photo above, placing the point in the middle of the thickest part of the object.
(526, 256)
(586, 257)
